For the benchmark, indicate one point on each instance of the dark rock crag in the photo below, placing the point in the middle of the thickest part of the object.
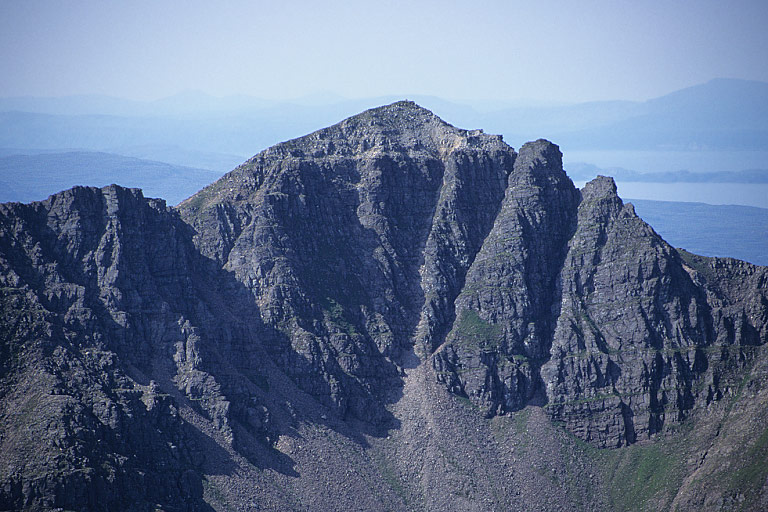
(580, 305)
(388, 309)
(355, 241)
(105, 303)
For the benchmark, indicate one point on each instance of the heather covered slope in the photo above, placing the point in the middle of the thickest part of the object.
(389, 313)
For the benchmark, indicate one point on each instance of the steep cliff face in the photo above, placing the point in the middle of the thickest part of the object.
(389, 313)
(504, 323)
(105, 304)
(642, 339)
(576, 304)
(355, 241)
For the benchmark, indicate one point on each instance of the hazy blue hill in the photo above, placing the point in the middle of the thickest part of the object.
(175, 155)
(32, 151)
(720, 114)
(91, 104)
(98, 132)
(521, 123)
(732, 104)
(710, 230)
(26, 178)
(223, 133)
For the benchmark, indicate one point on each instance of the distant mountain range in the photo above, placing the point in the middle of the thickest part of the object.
(721, 114)
(175, 146)
(718, 115)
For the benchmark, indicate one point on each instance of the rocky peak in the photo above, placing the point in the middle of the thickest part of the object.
(401, 116)
(601, 187)
(401, 130)
(600, 201)
(354, 237)
(403, 126)
(367, 304)
(541, 155)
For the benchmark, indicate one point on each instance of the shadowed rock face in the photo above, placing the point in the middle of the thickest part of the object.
(505, 315)
(105, 303)
(355, 241)
(321, 306)
(519, 287)
(575, 303)
(642, 338)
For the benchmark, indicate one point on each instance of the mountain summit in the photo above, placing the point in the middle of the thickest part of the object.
(389, 313)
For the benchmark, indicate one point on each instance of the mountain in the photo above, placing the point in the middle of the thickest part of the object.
(34, 177)
(720, 115)
(387, 314)
(218, 162)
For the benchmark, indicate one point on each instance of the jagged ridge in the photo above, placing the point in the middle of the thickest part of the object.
(324, 296)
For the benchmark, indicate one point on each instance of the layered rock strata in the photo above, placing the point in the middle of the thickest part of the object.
(110, 317)
(351, 297)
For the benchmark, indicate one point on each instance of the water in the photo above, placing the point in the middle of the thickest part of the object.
(710, 230)
(746, 194)
(659, 161)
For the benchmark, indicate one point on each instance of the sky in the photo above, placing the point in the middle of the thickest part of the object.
(547, 51)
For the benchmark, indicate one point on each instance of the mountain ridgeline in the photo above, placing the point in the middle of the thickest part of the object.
(389, 313)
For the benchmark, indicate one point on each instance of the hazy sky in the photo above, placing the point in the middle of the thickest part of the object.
(566, 51)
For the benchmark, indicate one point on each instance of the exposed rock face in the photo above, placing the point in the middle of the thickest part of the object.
(105, 301)
(355, 241)
(505, 314)
(575, 294)
(651, 336)
(390, 313)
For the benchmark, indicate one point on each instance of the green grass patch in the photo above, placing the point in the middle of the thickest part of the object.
(466, 402)
(642, 477)
(749, 479)
(473, 331)
(700, 264)
(390, 477)
(212, 493)
(520, 421)
(336, 314)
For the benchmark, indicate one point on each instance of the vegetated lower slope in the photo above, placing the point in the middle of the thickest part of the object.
(387, 314)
